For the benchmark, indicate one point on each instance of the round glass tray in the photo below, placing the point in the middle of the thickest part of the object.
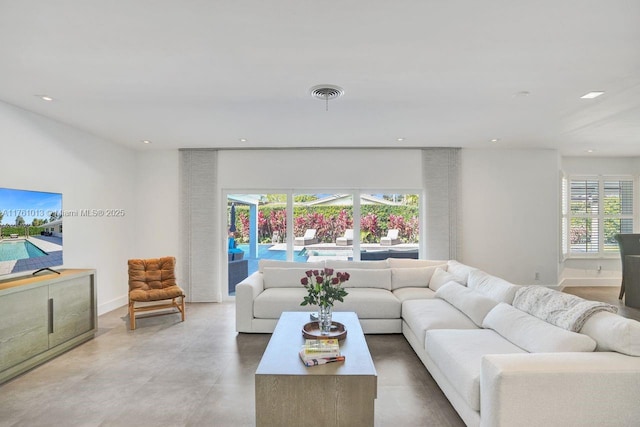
(311, 330)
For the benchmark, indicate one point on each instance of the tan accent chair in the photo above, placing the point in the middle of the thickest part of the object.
(153, 280)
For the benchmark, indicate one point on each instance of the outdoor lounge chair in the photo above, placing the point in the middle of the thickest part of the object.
(347, 239)
(309, 238)
(391, 238)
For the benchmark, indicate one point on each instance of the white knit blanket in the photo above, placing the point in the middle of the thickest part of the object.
(563, 310)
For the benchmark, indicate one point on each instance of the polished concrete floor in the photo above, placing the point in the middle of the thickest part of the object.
(201, 373)
(196, 373)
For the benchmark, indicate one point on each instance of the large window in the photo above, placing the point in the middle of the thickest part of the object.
(323, 225)
(595, 209)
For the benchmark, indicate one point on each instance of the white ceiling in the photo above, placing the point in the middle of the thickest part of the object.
(205, 73)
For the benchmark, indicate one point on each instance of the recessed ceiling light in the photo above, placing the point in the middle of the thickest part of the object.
(45, 97)
(590, 151)
(400, 139)
(522, 93)
(146, 141)
(243, 140)
(591, 95)
(494, 140)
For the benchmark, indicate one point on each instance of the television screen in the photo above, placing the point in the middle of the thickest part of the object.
(30, 230)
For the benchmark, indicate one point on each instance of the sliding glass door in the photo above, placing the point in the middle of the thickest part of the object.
(313, 226)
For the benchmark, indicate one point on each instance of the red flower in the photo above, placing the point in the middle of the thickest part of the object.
(328, 271)
(335, 281)
(304, 281)
(309, 273)
(319, 279)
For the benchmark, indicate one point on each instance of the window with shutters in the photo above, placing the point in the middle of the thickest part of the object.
(594, 210)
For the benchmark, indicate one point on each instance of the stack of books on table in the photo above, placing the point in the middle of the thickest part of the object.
(320, 352)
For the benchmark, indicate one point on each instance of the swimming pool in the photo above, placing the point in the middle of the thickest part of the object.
(20, 249)
(265, 253)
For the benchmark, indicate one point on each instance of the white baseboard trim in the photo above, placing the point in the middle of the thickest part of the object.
(590, 281)
(112, 305)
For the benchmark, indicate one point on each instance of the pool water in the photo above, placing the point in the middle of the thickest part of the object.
(265, 253)
(21, 249)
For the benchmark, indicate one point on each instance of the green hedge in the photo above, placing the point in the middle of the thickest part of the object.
(383, 212)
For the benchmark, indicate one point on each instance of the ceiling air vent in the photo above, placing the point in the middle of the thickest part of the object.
(326, 92)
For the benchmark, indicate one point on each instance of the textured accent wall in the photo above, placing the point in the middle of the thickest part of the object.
(199, 201)
(441, 178)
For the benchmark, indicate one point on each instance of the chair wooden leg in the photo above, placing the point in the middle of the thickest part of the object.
(182, 309)
(132, 316)
(621, 290)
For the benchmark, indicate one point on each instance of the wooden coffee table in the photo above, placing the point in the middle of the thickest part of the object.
(336, 394)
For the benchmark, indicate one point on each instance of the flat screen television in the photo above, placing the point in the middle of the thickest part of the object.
(30, 231)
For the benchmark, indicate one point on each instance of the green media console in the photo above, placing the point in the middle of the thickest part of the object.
(43, 316)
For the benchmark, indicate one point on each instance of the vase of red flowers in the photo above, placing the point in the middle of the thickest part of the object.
(324, 288)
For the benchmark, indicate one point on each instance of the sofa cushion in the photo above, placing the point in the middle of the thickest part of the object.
(532, 334)
(370, 303)
(441, 277)
(411, 277)
(613, 333)
(472, 303)
(368, 278)
(289, 264)
(458, 355)
(460, 270)
(405, 294)
(340, 264)
(423, 315)
(414, 263)
(492, 286)
(275, 277)
(272, 302)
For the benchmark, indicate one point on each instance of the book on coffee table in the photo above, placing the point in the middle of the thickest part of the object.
(321, 348)
(320, 352)
(315, 360)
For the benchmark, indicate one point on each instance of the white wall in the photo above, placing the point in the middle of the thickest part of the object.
(509, 198)
(600, 271)
(157, 183)
(320, 169)
(510, 213)
(41, 154)
(503, 193)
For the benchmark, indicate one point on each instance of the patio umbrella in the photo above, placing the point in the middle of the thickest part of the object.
(232, 221)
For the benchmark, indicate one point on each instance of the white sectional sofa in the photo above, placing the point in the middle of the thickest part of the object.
(504, 355)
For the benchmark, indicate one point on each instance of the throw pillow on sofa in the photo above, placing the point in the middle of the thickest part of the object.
(473, 304)
(614, 333)
(411, 277)
(344, 265)
(368, 278)
(441, 277)
(461, 270)
(274, 277)
(414, 263)
(532, 334)
(492, 286)
(263, 263)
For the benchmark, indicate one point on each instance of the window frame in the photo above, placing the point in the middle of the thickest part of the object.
(567, 215)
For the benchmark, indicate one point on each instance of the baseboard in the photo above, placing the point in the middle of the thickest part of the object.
(112, 305)
(590, 281)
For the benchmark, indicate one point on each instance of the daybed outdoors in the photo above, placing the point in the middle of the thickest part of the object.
(309, 238)
(391, 238)
(347, 239)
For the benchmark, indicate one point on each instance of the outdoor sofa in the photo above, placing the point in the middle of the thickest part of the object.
(497, 364)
